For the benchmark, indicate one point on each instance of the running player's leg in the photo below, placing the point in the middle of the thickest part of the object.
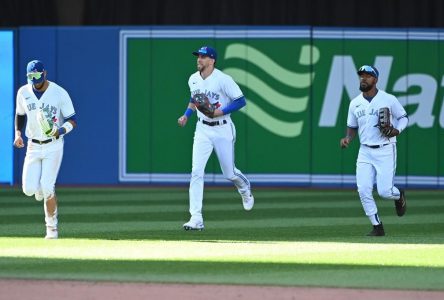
(224, 147)
(386, 167)
(32, 168)
(365, 178)
(202, 148)
(385, 164)
(50, 169)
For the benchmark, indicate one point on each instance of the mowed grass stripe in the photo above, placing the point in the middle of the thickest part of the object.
(211, 202)
(92, 208)
(103, 199)
(148, 207)
(341, 233)
(211, 212)
(225, 273)
(260, 215)
(292, 216)
(148, 193)
(103, 225)
(262, 252)
(227, 262)
(290, 199)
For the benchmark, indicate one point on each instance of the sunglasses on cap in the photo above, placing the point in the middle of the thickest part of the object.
(370, 70)
(34, 75)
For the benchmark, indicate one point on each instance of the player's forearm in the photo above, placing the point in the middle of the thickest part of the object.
(190, 110)
(351, 133)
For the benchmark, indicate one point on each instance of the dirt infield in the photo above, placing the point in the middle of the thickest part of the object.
(80, 290)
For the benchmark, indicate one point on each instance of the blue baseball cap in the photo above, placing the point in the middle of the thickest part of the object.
(369, 70)
(206, 51)
(34, 71)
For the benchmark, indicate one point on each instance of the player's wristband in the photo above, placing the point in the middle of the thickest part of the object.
(66, 128)
(188, 112)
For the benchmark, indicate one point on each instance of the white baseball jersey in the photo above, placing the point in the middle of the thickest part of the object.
(364, 115)
(42, 161)
(55, 102)
(219, 87)
(221, 90)
(375, 164)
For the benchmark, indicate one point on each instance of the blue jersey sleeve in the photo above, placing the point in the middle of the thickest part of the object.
(235, 105)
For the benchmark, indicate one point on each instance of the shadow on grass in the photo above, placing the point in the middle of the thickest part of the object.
(326, 275)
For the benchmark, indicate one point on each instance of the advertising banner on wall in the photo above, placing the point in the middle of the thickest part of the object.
(298, 83)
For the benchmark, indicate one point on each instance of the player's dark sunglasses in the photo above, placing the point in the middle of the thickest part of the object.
(34, 75)
(369, 70)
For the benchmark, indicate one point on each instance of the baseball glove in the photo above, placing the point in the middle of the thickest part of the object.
(49, 128)
(384, 123)
(204, 105)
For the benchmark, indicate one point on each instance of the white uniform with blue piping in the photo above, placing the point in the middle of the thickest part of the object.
(376, 161)
(217, 134)
(44, 154)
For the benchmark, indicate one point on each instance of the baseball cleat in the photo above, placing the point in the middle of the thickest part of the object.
(248, 201)
(401, 204)
(378, 230)
(38, 195)
(193, 225)
(51, 233)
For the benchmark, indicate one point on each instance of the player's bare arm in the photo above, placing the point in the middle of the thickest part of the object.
(182, 121)
(18, 141)
(345, 141)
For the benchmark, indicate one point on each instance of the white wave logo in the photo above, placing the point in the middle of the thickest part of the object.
(309, 55)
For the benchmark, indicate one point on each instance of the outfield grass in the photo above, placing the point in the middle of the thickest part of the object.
(292, 237)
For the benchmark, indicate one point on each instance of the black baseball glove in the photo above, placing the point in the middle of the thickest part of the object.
(204, 105)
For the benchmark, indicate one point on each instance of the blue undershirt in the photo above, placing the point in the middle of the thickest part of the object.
(235, 105)
(369, 99)
(37, 93)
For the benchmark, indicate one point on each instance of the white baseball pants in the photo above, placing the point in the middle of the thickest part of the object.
(376, 166)
(221, 138)
(40, 170)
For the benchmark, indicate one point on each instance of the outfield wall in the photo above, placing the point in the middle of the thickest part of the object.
(7, 106)
(129, 86)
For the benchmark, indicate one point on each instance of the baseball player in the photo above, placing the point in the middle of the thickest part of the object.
(213, 133)
(376, 161)
(49, 112)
